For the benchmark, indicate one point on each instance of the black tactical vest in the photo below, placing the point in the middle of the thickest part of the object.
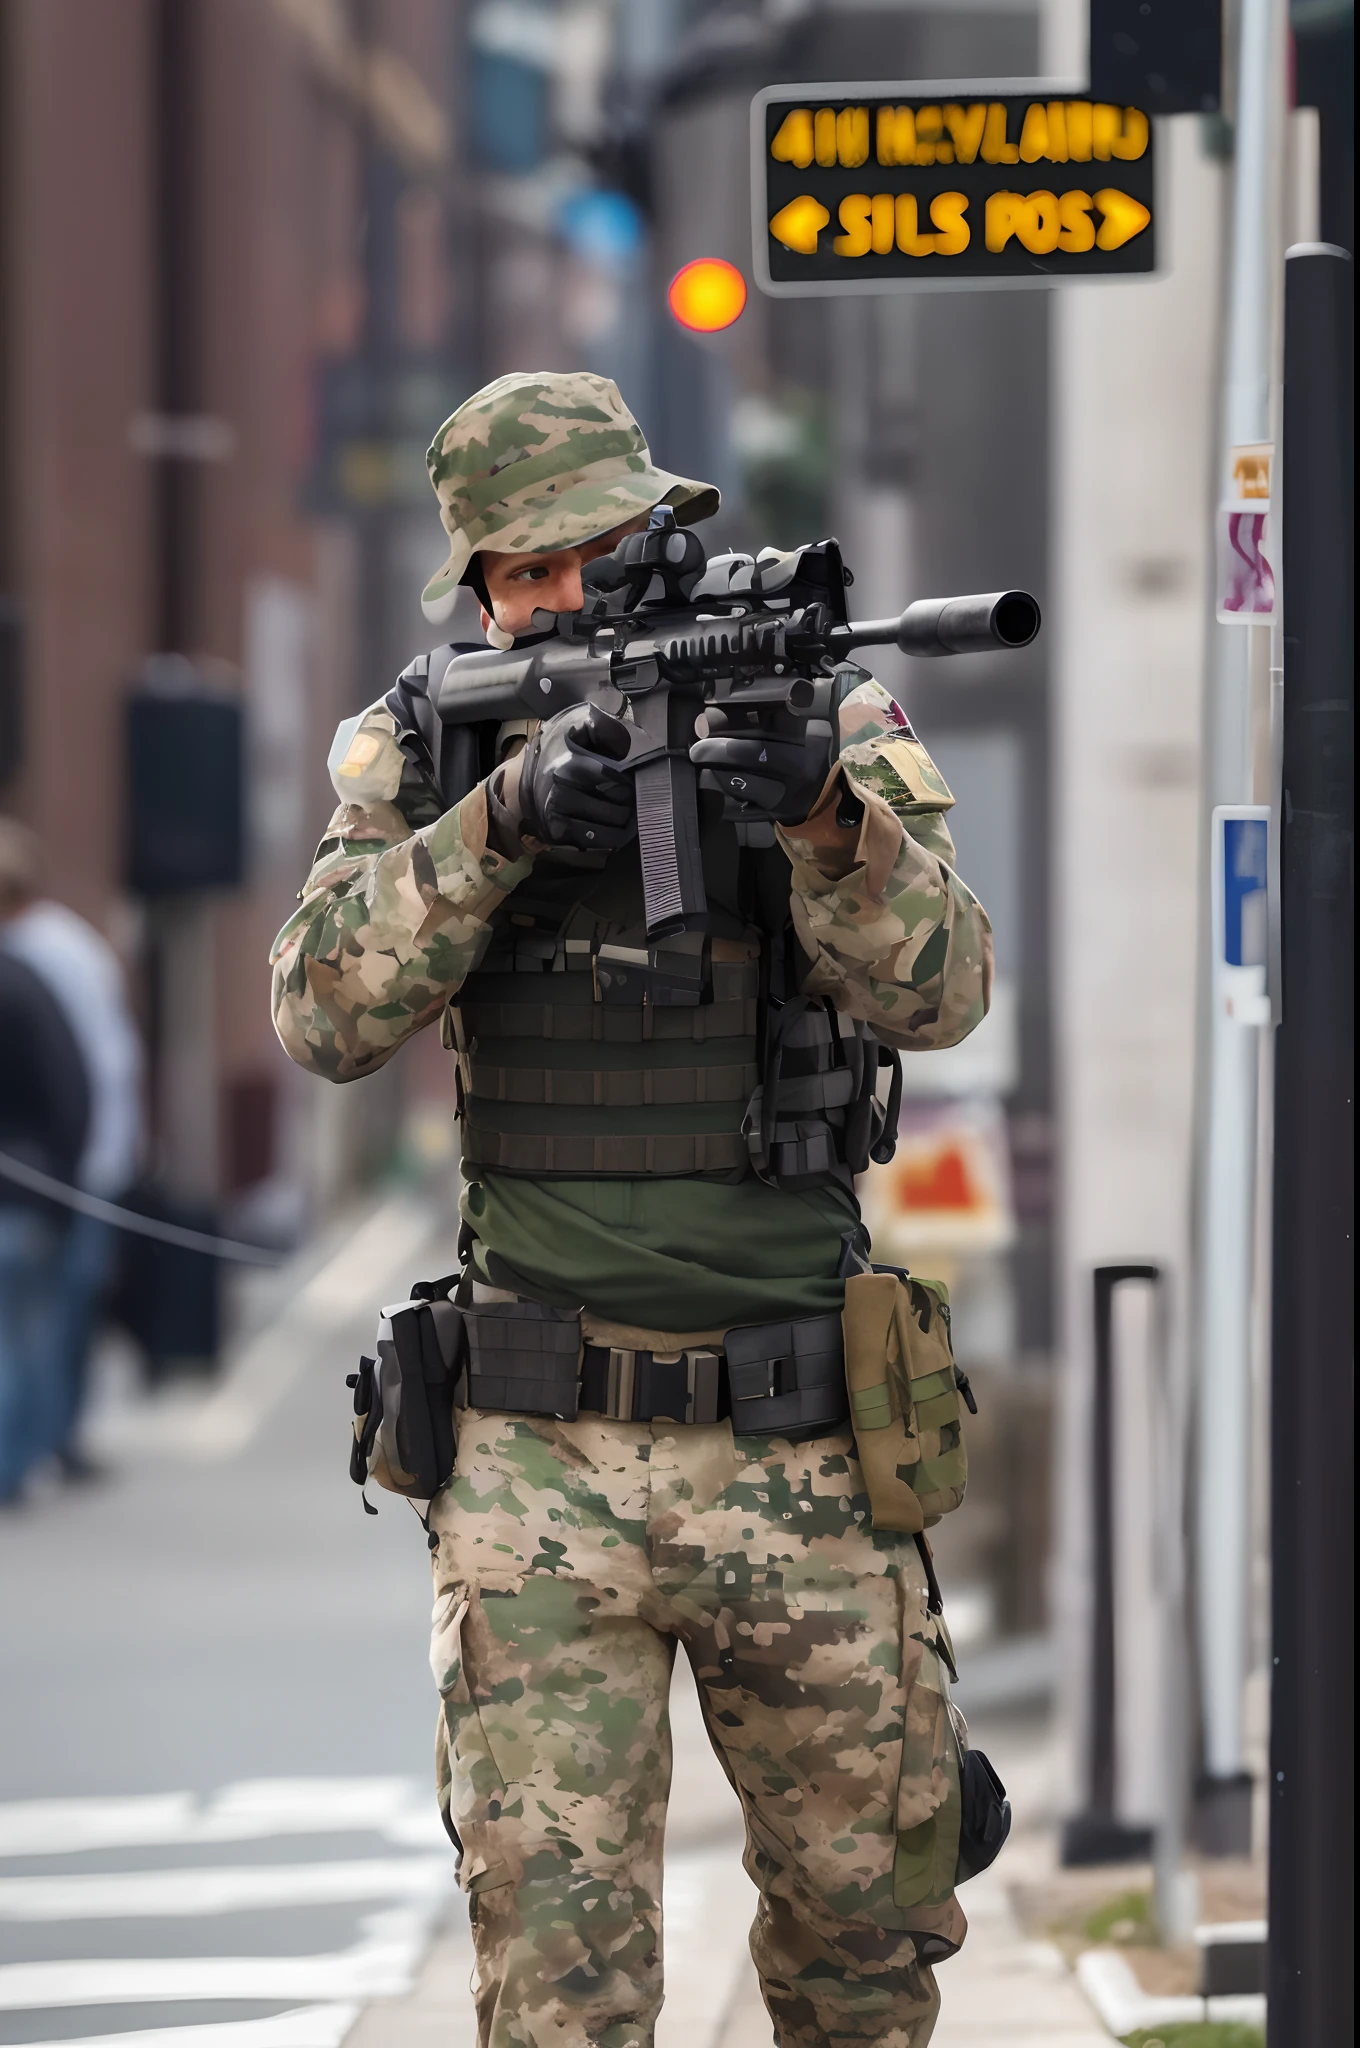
(572, 1063)
(577, 1057)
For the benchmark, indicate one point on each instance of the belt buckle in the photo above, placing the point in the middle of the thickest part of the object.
(702, 1377)
(701, 1372)
(619, 1385)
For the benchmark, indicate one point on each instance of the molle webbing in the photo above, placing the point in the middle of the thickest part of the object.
(563, 1069)
(799, 1129)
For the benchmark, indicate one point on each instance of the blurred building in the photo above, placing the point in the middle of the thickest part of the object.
(230, 245)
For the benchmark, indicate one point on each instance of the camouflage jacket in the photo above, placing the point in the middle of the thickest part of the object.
(400, 902)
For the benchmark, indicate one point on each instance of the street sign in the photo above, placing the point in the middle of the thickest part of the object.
(941, 184)
(1240, 919)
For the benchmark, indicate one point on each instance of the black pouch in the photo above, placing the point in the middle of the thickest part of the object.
(403, 1400)
(787, 1379)
(986, 1820)
(523, 1359)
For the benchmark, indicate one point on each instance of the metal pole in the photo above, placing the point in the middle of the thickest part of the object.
(1098, 1835)
(1311, 1980)
(1226, 1193)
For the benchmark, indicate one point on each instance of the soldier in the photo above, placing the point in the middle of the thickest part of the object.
(609, 1173)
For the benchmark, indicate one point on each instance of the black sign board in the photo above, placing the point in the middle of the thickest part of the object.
(924, 186)
(1165, 54)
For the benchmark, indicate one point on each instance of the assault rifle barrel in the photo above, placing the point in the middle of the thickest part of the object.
(949, 625)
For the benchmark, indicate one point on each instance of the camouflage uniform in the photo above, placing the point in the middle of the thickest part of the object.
(572, 1557)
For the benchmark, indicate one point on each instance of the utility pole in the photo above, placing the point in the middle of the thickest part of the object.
(184, 1008)
(1311, 1972)
(1230, 1053)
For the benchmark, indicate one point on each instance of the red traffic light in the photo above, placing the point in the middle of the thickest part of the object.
(707, 295)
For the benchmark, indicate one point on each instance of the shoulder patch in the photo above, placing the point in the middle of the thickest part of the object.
(365, 760)
(899, 770)
(918, 772)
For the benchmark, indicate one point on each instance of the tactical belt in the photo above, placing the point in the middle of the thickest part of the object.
(783, 1379)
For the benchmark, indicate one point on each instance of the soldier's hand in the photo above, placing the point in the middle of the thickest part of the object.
(763, 771)
(572, 792)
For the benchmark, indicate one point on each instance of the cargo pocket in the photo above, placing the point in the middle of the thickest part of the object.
(929, 1793)
(472, 1792)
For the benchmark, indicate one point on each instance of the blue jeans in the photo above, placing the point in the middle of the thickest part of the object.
(31, 1246)
(86, 1267)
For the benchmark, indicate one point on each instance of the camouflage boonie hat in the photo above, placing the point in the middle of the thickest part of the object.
(544, 459)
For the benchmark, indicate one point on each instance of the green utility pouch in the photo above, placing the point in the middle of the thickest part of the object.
(906, 1398)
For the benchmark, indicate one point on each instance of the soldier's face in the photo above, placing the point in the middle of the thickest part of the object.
(520, 585)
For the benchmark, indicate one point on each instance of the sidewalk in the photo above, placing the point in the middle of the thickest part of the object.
(1002, 1991)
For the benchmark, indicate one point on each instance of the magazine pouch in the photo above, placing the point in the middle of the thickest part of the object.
(906, 1397)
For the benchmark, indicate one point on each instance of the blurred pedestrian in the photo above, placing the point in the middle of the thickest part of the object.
(82, 974)
(44, 1119)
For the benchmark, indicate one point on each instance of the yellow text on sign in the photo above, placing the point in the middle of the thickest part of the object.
(798, 224)
(1052, 131)
(1043, 221)
(876, 224)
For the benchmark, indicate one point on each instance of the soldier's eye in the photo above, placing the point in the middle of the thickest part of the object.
(533, 573)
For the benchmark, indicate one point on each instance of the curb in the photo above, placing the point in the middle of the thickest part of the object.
(1123, 2006)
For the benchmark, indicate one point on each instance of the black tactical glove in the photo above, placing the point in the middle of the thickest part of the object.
(771, 773)
(571, 790)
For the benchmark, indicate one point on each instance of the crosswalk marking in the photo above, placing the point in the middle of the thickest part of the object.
(314, 2026)
(58, 1827)
(707, 1897)
(234, 1888)
(251, 1811)
(400, 1897)
(381, 1964)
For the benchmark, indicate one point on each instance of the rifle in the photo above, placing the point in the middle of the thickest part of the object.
(668, 632)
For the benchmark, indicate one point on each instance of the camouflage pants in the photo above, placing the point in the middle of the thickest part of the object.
(572, 1557)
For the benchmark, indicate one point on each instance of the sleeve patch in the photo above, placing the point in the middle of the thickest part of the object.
(365, 761)
(917, 772)
(363, 748)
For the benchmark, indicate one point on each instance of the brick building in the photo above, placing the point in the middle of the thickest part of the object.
(229, 328)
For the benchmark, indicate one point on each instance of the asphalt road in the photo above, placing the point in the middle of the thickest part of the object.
(216, 1766)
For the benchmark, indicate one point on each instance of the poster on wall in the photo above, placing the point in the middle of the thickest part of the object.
(946, 1191)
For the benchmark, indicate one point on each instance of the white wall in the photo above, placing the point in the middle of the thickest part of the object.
(1134, 419)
